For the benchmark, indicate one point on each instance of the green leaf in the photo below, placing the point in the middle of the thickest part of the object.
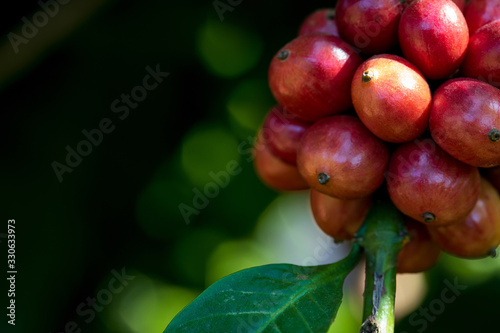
(270, 298)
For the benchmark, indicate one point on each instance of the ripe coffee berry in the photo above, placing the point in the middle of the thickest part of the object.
(274, 172)
(321, 21)
(430, 186)
(344, 159)
(282, 132)
(369, 25)
(478, 235)
(482, 57)
(465, 121)
(460, 3)
(421, 252)
(338, 218)
(481, 12)
(339, 156)
(311, 76)
(387, 89)
(433, 35)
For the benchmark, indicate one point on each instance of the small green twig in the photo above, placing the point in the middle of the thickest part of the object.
(382, 236)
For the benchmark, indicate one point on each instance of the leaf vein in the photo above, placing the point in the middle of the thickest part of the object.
(303, 319)
(284, 307)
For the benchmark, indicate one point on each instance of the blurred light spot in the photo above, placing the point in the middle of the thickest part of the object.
(288, 230)
(249, 103)
(157, 209)
(149, 305)
(207, 151)
(226, 50)
(233, 256)
(345, 321)
(410, 293)
(190, 254)
(471, 270)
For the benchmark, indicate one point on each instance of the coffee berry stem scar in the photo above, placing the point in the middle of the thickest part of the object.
(283, 55)
(331, 14)
(323, 178)
(367, 76)
(428, 217)
(494, 135)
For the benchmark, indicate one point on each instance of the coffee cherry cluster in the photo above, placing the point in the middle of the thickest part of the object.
(403, 96)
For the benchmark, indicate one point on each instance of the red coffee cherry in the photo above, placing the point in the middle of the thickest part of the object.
(433, 35)
(430, 186)
(321, 21)
(369, 25)
(482, 60)
(274, 172)
(421, 252)
(465, 121)
(478, 235)
(481, 12)
(311, 76)
(391, 97)
(340, 157)
(460, 4)
(339, 218)
(282, 132)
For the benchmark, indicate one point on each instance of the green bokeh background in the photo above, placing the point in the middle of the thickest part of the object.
(119, 208)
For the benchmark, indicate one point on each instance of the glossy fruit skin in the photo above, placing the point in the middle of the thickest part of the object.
(481, 12)
(369, 25)
(321, 21)
(342, 153)
(464, 116)
(339, 218)
(421, 252)
(422, 178)
(482, 57)
(275, 173)
(433, 35)
(478, 234)
(311, 76)
(397, 94)
(460, 4)
(283, 132)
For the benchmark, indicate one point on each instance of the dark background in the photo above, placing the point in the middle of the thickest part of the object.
(119, 208)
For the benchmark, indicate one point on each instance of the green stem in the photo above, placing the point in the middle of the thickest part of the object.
(382, 236)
